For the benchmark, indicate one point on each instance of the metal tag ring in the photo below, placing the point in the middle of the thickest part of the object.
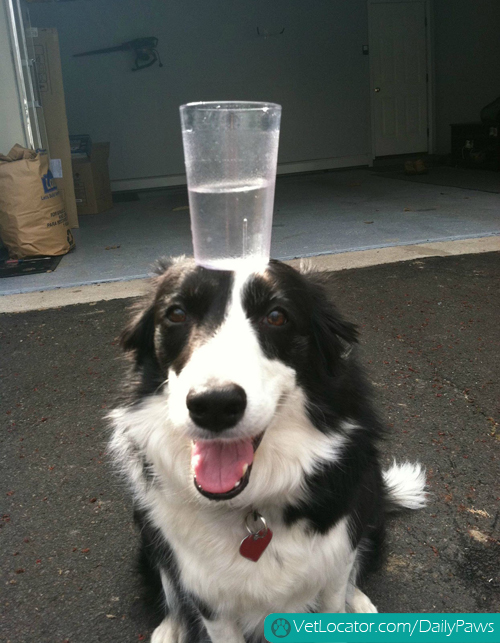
(255, 517)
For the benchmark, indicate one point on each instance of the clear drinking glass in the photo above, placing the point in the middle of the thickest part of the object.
(231, 152)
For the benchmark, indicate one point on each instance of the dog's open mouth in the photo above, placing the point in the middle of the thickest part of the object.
(222, 467)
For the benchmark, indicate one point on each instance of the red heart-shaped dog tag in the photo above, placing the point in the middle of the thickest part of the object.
(253, 546)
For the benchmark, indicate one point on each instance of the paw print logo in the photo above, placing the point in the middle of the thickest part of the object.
(281, 628)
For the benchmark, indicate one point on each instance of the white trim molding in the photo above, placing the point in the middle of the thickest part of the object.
(172, 180)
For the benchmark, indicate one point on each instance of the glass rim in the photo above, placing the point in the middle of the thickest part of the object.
(231, 105)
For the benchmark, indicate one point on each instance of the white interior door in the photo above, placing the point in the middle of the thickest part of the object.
(399, 77)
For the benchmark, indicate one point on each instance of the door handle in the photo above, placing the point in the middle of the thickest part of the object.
(377, 89)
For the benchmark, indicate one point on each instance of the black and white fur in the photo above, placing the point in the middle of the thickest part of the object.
(316, 476)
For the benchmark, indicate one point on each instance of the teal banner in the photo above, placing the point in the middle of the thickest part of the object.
(383, 628)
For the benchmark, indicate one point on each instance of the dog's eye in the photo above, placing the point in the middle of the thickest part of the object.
(276, 318)
(176, 315)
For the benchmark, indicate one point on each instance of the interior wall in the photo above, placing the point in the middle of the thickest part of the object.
(211, 51)
(467, 55)
(11, 121)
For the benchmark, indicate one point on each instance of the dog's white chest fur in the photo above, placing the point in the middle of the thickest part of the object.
(288, 577)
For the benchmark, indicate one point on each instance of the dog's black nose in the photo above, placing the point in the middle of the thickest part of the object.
(217, 409)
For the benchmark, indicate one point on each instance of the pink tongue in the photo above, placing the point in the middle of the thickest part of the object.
(218, 464)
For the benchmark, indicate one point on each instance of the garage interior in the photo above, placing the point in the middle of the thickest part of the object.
(343, 143)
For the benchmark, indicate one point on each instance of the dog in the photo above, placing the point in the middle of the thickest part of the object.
(250, 442)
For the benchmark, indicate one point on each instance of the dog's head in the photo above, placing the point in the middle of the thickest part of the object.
(229, 353)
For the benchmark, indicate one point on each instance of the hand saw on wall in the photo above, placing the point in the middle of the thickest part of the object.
(145, 50)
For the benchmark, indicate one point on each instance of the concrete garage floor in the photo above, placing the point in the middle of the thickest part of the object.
(430, 342)
(315, 214)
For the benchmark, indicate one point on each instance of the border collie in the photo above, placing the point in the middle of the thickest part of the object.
(251, 445)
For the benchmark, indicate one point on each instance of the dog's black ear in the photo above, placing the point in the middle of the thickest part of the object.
(330, 323)
(138, 336)
(334, 337)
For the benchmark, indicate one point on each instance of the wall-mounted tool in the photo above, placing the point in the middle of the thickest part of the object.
(145, 50)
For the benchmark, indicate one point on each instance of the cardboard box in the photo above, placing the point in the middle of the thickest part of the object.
(91, 179)
(50, 82)
(81, 145)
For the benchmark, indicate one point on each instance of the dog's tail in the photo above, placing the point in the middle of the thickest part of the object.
(405, 485)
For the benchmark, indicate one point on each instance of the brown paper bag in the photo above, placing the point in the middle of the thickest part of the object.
(33, 220)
